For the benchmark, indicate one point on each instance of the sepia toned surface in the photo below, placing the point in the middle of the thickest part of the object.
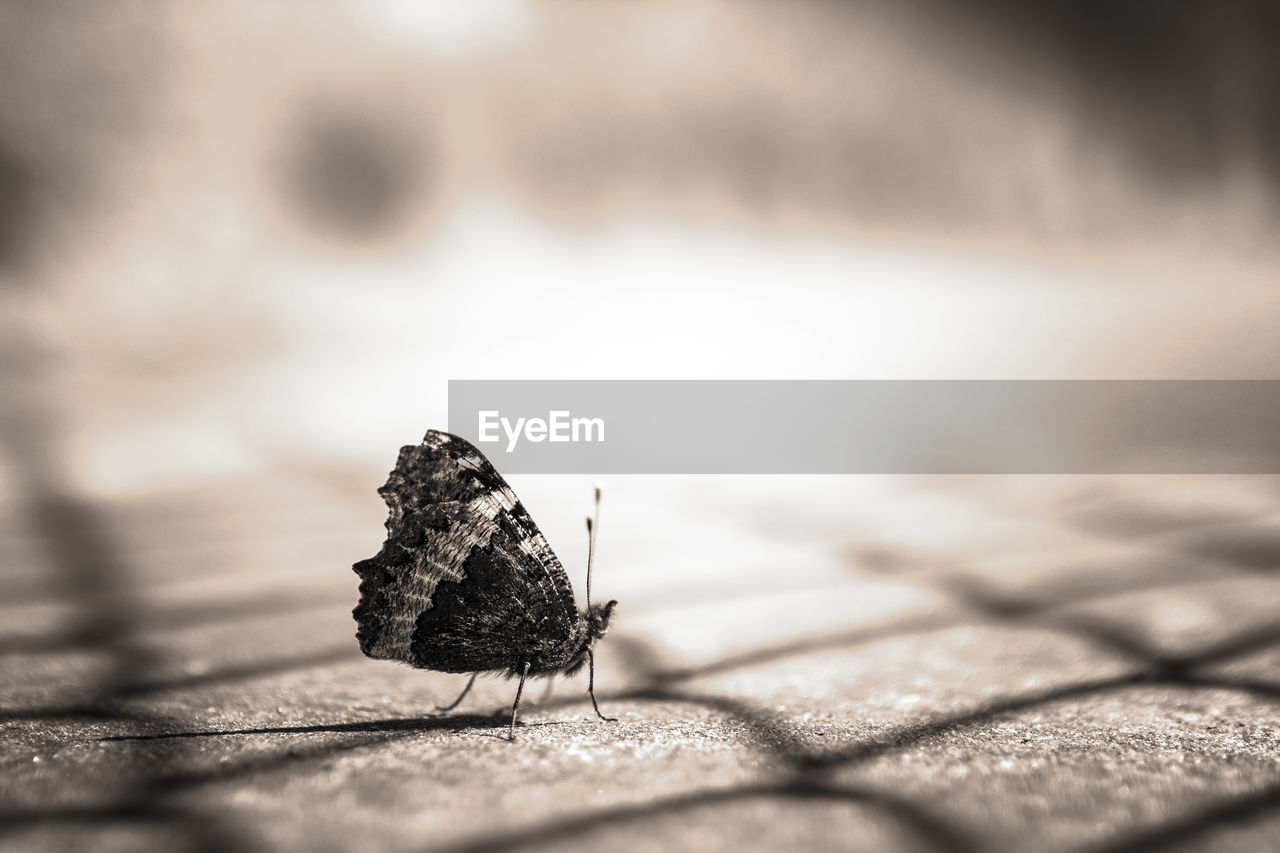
(1066, 665)
(243, 248)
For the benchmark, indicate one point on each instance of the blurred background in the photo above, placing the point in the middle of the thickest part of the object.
(244, 245)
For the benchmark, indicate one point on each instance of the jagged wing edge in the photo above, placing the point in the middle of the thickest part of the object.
(397, 584)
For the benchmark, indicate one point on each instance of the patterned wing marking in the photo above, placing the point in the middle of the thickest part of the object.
(503, 615)
(509, 512)
(397, 585)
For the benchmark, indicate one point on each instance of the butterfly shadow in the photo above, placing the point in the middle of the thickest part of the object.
(450, 722)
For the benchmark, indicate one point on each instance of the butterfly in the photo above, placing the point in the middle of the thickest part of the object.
(466, 583)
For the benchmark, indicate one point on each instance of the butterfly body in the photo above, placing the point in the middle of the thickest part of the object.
(465, 582)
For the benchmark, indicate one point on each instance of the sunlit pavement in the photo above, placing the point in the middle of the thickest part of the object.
(861, 663)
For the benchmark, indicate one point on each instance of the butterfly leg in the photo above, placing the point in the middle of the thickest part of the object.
(461, 695)
(546, 694)
(591, 686)
(516, 707)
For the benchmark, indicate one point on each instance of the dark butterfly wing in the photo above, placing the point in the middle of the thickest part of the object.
(465, 578)
(501, 616)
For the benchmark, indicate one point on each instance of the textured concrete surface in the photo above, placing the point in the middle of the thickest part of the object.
(868, 663)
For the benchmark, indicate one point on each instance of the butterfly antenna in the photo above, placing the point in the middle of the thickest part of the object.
(592, 523)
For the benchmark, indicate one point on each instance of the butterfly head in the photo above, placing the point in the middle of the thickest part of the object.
(598, 619)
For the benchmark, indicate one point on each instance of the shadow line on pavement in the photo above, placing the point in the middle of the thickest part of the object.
(1191, 827)
(395, 724)
(917, 820)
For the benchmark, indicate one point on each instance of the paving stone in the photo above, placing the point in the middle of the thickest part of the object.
(792, 666)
